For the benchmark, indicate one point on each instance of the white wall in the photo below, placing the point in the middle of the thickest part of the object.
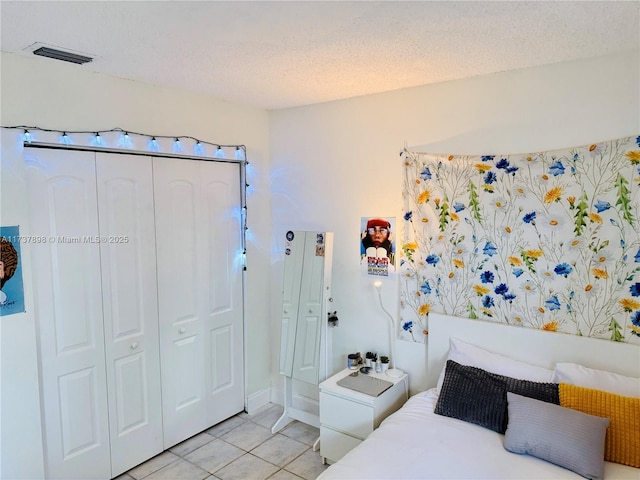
(334, 163)
(50, 94)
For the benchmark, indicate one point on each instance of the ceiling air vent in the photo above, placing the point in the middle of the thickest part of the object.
(60, 55)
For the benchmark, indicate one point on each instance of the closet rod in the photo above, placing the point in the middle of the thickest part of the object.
(128, 152)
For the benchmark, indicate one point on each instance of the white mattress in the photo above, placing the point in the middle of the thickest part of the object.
(415, 443)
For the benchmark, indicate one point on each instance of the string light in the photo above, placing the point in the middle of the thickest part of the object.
(101, 138)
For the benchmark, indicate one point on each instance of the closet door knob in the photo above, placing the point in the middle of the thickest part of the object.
(182, 330)
(134, 345)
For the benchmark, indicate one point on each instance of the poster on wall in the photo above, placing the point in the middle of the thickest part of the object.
(11, 287)
(377, 246)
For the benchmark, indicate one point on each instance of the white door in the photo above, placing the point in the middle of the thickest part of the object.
(199, 251)
(68, 309)
(129, 300)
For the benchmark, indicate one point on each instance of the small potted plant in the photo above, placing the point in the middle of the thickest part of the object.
(384, 362)
(370, 358)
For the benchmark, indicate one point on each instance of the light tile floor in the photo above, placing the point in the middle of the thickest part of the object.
(240, 448)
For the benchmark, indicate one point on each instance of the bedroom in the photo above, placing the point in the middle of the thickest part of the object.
(317, 166)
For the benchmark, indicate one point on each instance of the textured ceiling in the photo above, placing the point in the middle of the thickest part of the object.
(273, 55)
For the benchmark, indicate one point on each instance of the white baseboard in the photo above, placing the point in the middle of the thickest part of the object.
(301, 402)
(258, 400)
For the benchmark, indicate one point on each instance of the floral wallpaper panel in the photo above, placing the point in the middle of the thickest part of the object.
(546, 240)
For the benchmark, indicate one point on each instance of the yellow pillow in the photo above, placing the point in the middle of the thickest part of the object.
(622, 443)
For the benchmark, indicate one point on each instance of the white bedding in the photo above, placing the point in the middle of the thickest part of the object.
(415, 443)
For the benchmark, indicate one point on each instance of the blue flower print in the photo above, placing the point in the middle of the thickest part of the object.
(458, 207)
(638, 140)
(563, 269)
(512, 170)
(529, 217)
(425, 174)
(503, 163)
(486, 158)
(557, 168)
(509, 296)
(487, 301)
(635, 290)
(553, 303)
(501, 289)
(601, 206)
(407, 326)
(433, 259)
(489, 249)
(489, 178)
(425, 288)
(517, 272)
(636, 258)
(486, 277)
(408, 215)
(635, 319)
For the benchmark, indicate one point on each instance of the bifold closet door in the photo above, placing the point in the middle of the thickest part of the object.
(96, 310)
(68, 308)
(199, 250)
(130, 308)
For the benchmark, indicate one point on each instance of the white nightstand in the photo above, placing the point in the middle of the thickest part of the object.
(347, 417)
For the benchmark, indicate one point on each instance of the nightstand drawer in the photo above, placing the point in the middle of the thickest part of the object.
(335, 445)
(345, 415)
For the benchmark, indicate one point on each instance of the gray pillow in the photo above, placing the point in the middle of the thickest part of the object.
(477, 396)
(566, 437)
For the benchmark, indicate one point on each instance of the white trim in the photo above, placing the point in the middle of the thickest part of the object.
(258, 400)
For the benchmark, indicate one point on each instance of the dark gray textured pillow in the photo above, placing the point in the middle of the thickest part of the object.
(566, 437)
(477, 396)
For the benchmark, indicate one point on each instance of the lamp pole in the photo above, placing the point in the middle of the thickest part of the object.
(393, 371)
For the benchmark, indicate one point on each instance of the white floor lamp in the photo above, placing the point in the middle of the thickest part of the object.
(393, 371)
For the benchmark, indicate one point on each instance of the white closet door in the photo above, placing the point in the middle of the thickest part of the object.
(68, 303)
(129, 293)
(199, 294)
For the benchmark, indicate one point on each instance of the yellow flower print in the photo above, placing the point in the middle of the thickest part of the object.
(514, 261)
(458, 263)
(550, 326)
(425, 220)
(481, 290)
(417, 180)
(483, 167)
(634, 156)
(425, 332)
(487, 188)
(534, 253)
(571, 200)
(629, 304)
(595, 218)
(455, 217)
(450, 157)
(553, 195)
(424, 309)
(600, 273)
(423, 197)
(451, 274)
(540, 310)
(411, 246)
(635, 330)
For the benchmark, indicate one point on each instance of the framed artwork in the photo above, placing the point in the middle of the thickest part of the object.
(377, 245)
(11, 286)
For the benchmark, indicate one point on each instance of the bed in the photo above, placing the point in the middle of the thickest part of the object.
(416, 443)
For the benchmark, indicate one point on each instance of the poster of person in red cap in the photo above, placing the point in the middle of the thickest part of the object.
(377, 245)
